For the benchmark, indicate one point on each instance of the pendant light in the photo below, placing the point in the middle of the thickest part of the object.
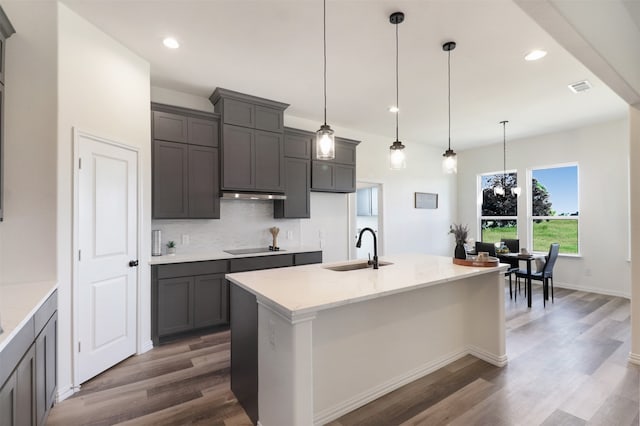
(397, 155)
(500, 189)
(450, 160)
(325, 139)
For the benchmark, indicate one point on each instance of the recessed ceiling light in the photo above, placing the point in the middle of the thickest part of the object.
(171, 43)
(394, 108)
(534, 55)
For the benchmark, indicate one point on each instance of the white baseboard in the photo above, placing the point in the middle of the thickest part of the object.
(596, 290)
(498, 361)
(146, 346)
(65, 392)
(634, 358)
(369, 395)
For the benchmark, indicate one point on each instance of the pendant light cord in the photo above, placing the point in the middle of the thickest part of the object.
(397, 84)
(449, 93)
(324, 41)
(504, 153)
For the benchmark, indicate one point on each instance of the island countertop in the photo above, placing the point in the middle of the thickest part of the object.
(311, 288)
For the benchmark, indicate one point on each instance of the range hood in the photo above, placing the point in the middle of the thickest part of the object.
(230, 195)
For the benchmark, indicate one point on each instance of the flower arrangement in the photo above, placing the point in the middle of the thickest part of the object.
(460, 233)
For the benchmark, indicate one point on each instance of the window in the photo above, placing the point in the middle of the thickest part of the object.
(554, 208)
(499, 213)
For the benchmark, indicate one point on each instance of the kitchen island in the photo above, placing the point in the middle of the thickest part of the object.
(331, 341)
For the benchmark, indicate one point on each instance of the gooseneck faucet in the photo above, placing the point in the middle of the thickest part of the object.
(375, 246)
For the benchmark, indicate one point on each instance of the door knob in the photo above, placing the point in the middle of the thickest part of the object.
(133, 263)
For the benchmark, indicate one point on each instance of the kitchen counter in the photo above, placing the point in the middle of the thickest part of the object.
(219, 254)
(18, 303)
(331, 341)
(312, 288)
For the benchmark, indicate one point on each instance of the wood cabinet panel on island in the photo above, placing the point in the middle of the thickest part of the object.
(185, 164)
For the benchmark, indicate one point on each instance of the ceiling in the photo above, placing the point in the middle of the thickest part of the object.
(273, 49)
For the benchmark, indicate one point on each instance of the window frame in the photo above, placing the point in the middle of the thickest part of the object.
(479, 215)
(531, 218)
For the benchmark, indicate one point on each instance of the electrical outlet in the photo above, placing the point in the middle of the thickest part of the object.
(185, 239)
(289, 235)
(321, 234)
(272, 333)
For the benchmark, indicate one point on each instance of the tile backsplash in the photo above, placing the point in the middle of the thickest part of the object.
(242, 224)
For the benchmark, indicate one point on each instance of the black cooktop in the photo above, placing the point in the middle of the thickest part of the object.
(253, 250)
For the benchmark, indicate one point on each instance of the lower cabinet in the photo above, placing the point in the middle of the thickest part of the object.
(191, 296)
(28, 393)
(187, 303)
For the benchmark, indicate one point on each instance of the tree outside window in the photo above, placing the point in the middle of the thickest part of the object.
(499, 213)
(554, 207)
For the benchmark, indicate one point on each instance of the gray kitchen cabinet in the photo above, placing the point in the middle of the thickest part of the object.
(188, 296)
(339, 174)
(8, 399)
(211, 306)
(240, 109)
(185, 163)
(203, 199)
(297, 186)
(25, 389)
(297, 176)
(6, 30)
(28, 369)
(169, 127)
(252, 157)
(238, 156)
(170, 180)
(46, 361)
(175, 304)
(192, 296)
(269, 161)
(252, 160)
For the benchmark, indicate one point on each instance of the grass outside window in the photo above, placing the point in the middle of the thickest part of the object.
(561, 231)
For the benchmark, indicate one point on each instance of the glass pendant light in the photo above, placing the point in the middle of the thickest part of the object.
(450, 160)
(325, 139)
(397, 155)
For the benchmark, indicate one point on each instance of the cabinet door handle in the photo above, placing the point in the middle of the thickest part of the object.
(133, 263)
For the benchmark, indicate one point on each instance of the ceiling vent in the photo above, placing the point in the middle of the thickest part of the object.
(580, 86)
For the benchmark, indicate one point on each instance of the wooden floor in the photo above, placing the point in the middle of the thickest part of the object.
(567, 366)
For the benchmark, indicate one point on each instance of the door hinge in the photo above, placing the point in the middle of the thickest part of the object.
(79, 255)
(80, 163)
(78, 346)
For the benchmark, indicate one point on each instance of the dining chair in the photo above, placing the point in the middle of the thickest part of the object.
(546, 274)
(514, 247)
(491, 249)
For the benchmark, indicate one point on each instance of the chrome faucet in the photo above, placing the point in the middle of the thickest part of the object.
(373, 262)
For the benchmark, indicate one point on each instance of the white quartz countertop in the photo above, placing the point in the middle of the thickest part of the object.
(311, 288)
(219, 255)
(18, 303)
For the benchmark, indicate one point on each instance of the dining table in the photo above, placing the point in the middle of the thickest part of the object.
(528, 257)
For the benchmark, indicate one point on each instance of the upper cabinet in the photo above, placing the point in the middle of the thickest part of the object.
(297, 172)
(185, 163)
(339, 174)
(252, 144)
(6, 29)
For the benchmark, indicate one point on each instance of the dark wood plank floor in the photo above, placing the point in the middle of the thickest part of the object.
(567, 366)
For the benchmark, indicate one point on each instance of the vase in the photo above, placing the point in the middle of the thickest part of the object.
(460, 252)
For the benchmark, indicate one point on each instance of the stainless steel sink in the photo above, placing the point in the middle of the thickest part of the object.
(355, 266)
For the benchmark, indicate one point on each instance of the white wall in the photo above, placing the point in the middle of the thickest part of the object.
(28, 232)
(602, 153)
(103, 89)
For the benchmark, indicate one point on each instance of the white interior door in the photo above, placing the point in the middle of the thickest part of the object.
(106, 284)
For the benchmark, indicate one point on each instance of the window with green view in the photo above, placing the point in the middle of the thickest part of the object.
(499, 212)
(554, 206)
